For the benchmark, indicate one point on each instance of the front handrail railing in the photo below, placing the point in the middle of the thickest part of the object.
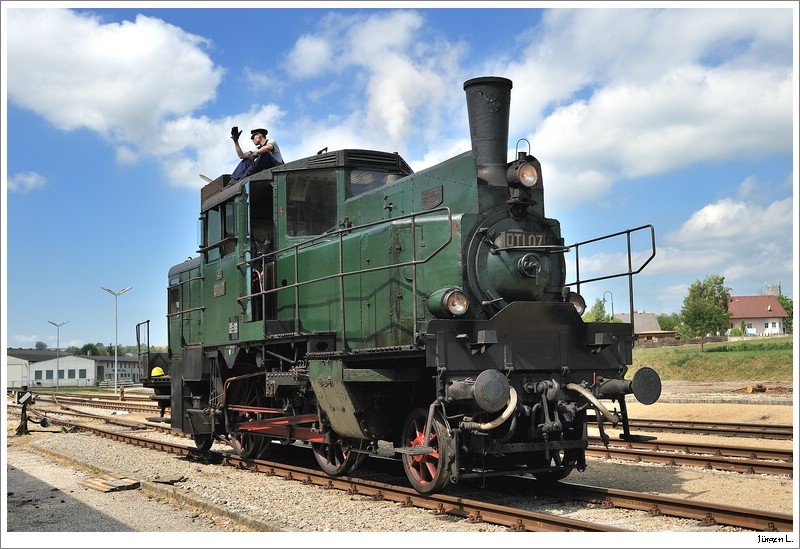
(629, 273)
(144, 357)
(294, 249)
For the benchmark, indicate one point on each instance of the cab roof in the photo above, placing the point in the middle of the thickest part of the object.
(222, 188)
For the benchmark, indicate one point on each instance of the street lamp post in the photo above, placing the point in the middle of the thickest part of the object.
(116, 333)
(612, 302)
(58, 346)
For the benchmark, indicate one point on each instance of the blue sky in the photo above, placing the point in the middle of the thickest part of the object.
(680, 118)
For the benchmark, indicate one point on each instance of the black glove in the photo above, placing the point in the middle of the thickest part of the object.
(235, 133)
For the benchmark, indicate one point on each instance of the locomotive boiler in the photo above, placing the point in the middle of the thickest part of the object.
(346, 302)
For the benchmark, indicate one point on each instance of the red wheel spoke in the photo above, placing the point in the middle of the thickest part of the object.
(432, 468)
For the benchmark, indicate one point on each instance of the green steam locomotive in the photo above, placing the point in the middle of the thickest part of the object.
(346, 302)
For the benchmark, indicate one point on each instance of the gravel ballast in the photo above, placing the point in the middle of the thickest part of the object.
(269, 503)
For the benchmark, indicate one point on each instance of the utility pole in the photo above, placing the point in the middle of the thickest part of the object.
(116, 333)
(58, 347)
(612, 302)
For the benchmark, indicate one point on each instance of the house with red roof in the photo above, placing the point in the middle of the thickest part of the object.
(761, 314)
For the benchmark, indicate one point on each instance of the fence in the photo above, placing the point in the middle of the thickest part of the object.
(649, 344)
(108, 383)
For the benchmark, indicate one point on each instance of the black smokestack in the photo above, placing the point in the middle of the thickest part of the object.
(488, 105)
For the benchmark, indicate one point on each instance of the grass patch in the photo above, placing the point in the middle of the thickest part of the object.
(769, 360)
(780, 345)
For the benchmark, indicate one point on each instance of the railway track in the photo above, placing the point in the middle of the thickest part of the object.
(738, 459)
(107, 404)
(474, 510)
(101, 396)
(721, 458)
(516, 519)
(707, 513)
(750, 430)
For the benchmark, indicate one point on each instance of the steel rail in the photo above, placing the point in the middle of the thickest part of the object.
(708, 513)
(131, 423)
(101, 396)
(712, 428)
(475, 511)
(110, 405)
(773, 454)
(719, 463)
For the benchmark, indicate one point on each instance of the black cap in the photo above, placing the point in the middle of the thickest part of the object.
(262, 131)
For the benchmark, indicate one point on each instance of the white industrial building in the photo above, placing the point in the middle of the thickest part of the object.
(82, 371)
(73, 371)
(16, 371)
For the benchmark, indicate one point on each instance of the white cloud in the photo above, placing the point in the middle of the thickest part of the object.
(209, 149)
(310, 56)
(120, 80)
(692, 114)
(736, 226)
(629, 93)
(444, 151)
(746, 242)
(26, 339)
(401, 77)
(262, 80)
(604, 95)
(25, 182)
(126, 155)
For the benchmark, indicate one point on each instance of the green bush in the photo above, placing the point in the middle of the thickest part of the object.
(735, 332)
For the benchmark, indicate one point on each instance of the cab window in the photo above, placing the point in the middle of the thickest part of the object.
(219, 225)
(310, 202)
(362, 181)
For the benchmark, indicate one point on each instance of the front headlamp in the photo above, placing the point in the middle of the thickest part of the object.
(577, 301)
(456, 302)
(448, 302)
(522, 174)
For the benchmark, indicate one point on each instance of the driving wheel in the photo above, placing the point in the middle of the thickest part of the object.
(335, 456)
(428, 472)
(244, 443)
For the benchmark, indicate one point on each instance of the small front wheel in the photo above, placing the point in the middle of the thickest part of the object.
(203, 442)
(247, 445)
(430, 472)
(336, 456)
(561, 462)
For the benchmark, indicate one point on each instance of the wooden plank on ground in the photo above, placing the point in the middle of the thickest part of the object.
(110, 483)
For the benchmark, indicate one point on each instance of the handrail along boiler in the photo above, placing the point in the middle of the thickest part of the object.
(344, 301)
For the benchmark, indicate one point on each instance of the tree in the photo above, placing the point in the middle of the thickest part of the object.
(705, 308)
(94, 349)
(669, 322)
(597, 313)
(786, 303)
(73, 350)
(41, 345)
